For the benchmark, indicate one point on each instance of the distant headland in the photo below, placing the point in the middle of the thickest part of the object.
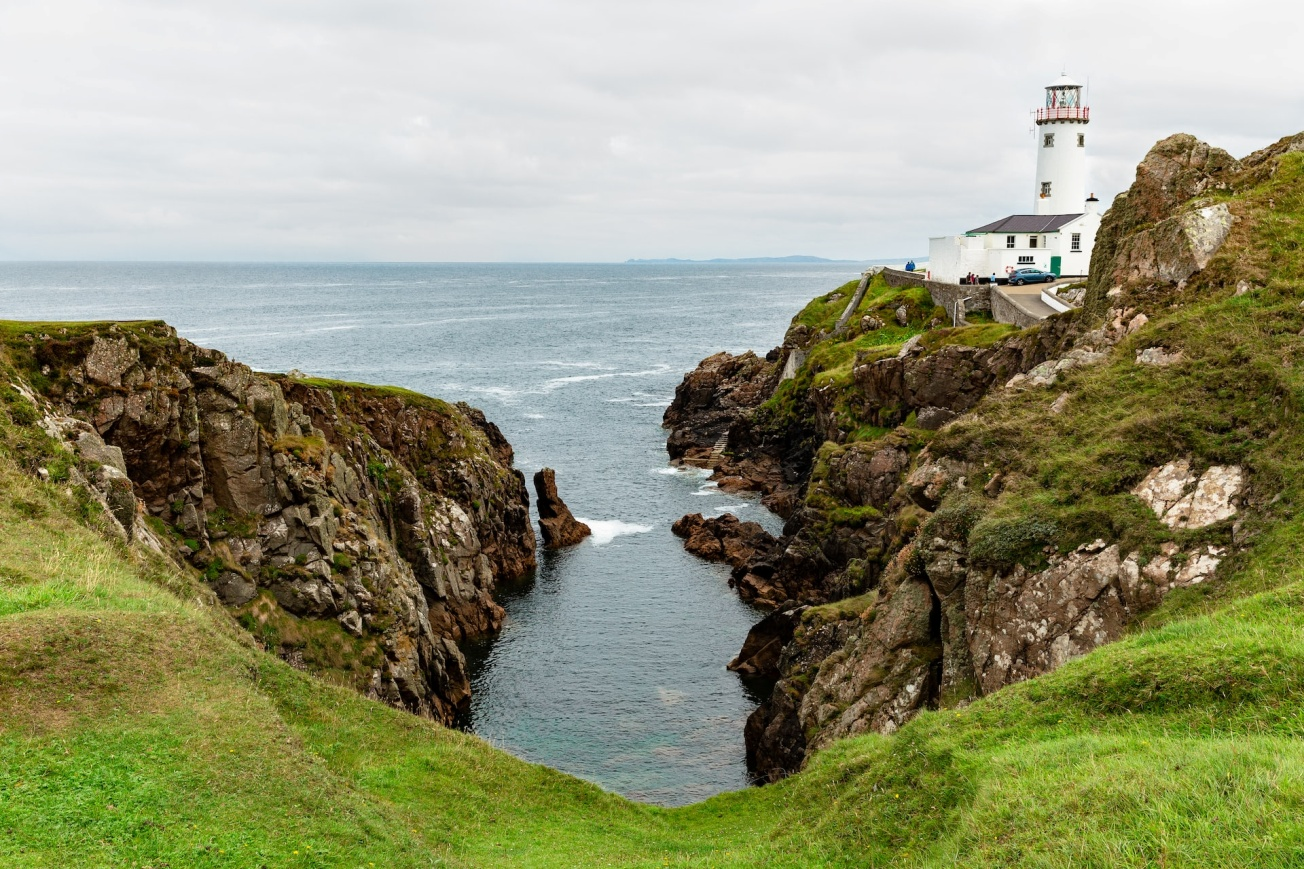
(757, 260)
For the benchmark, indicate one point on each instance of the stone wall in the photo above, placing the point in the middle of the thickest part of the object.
(1005, 311)
(978, 298)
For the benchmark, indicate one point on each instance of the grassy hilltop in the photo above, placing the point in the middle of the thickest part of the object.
(140, 726)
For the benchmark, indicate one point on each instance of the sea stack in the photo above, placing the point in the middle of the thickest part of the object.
(559, 527)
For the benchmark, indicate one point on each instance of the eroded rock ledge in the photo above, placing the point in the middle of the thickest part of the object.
(357, 531)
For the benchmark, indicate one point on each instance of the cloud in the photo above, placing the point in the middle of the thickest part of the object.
(584, 130)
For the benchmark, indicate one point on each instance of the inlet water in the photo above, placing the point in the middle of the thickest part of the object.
(611, 663)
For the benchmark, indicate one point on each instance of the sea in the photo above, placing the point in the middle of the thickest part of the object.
(611, 663)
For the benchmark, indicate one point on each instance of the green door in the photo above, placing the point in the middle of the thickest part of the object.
(1055, 265)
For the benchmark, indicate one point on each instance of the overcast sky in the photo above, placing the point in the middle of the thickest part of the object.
(590, 130)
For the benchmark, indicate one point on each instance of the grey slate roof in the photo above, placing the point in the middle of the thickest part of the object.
(1028, 223)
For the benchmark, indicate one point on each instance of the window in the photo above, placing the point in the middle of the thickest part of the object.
(1025, 260)
(1032, 241)
(1082, 140)
(1075, 243)
(1009, 241)
(1048, 140)
(1045, 189)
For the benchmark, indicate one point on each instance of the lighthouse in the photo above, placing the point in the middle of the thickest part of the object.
(1060, 233)
(1061, 149)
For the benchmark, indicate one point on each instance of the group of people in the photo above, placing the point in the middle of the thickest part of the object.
(973, 280)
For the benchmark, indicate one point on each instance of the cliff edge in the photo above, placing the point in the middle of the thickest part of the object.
(969, 508)
(359, 532)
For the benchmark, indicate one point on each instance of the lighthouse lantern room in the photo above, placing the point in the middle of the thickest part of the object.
(1061, 149)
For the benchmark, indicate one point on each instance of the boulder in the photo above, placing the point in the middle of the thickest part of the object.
(761, 650)
(723, 538)
(559, 527)
(108, 360)
(1158, 356)
(1184, 499)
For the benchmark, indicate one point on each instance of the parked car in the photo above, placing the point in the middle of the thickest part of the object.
(1019, 277)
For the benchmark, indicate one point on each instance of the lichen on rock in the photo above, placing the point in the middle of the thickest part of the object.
(1183, 498)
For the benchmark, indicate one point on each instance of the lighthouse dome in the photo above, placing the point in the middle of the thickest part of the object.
(1064, 82)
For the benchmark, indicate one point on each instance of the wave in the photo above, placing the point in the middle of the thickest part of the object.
(556, 364)
(559, 382)
(682, 470)
(607, 530)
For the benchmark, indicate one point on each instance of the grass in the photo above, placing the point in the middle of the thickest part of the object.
(830, 362)
(345, 389)
(136, 728)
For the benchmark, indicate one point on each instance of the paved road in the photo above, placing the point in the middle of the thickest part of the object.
(1028, 297)
(1028, 300)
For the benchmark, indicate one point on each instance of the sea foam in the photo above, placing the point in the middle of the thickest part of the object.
(607, 530)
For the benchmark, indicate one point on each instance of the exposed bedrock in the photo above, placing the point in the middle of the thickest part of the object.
(723, 538)
(357, 531)
(927, 576)
(559, 527)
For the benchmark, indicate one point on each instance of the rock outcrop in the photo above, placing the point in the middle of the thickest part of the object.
(723, 538)
(1150, 234)
(765, 642)
(354, 530)
(987, 562)
(559, 527)
(711, 398)
(1185, 499)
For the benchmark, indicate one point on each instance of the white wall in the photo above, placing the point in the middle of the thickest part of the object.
(1064, 165)
(952, 257)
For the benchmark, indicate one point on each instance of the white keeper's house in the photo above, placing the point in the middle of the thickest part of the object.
(1061, 230)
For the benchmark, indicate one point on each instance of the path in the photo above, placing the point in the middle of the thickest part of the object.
(1027, 298)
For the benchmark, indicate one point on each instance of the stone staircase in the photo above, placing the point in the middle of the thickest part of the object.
(717, 451)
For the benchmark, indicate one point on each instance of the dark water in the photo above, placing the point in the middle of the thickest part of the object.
(611, 663)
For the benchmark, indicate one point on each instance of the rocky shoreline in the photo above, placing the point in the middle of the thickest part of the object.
(895, 587)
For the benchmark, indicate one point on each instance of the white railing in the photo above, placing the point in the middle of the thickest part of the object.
(1074, 113)
(1055, 302)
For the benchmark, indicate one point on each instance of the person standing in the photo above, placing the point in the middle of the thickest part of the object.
(993, 279)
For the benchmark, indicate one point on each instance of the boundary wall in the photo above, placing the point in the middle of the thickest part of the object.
(976, 297)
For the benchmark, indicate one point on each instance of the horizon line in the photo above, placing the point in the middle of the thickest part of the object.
(631, 261)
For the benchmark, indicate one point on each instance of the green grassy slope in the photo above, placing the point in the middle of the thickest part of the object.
(138, 728)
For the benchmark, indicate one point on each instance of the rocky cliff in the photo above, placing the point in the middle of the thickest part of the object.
(357, 531)
(972, 507)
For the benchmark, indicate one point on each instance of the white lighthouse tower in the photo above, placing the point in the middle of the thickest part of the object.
(1062, 149)
(1060, 234)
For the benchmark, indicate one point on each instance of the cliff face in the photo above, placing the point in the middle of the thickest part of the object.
(357, 531)
(975, 508)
